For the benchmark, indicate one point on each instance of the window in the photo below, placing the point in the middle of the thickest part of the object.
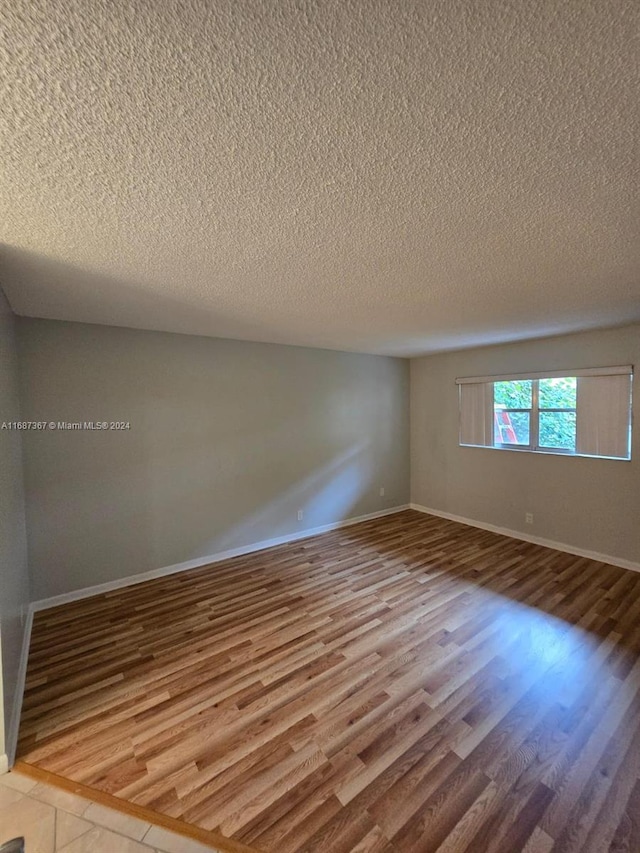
(535, 414)
(513, 410)
(580, 413)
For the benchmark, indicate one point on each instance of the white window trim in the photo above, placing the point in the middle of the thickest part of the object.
(545, 452)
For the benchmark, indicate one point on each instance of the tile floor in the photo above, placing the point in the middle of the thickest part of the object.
(52, 821)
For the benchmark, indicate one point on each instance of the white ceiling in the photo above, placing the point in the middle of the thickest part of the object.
(393, 177)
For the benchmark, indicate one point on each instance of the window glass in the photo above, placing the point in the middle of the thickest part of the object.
(520, 423)
(558, 393)
(558, 430)
(510, 425)
(513, 395)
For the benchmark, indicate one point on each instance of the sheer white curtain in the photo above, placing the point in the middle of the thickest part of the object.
(476, 414)
(603, 415)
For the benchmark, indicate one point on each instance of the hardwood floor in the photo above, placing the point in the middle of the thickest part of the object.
(405, 684)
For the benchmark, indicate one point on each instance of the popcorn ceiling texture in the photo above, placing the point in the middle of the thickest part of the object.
(392, 177)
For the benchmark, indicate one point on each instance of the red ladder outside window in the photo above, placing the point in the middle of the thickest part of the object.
(504, 428)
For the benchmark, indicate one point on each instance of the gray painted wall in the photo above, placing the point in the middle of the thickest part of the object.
(14, 578)
(228, 440)
(588, 503)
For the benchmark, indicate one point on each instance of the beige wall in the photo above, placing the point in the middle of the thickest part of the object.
(14, 579)
(592, 504)
(228, 440)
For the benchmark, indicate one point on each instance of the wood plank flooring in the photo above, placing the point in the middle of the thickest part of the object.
(403, 685)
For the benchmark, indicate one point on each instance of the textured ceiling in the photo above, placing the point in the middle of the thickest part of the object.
(394, 177)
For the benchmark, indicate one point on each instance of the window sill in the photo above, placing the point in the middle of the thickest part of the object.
(563, 453)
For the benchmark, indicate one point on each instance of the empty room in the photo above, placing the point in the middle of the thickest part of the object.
(319, 479)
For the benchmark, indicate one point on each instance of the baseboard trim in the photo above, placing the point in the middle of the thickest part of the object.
(536, 540)
(14, 723)
(198, 562)
(4, 763)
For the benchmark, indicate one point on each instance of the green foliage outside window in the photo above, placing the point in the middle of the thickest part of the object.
(558, 393)
(556, 429)
(513, 395)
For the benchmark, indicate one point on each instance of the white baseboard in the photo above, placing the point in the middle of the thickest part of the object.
(4, 763)
(536, 540)
(14, 722)
(87, 592)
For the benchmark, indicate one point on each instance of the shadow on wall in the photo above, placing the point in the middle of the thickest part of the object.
(328, 494)
(229, 439)
(118, 512)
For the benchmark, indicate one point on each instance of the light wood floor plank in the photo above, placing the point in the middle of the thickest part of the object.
(403, 685)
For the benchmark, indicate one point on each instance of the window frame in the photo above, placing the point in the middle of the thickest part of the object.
(507, 445)
(534, 412)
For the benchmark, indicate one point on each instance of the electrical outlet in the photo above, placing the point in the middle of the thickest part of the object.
(529, 518)
(300, 515)
(381, 491)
